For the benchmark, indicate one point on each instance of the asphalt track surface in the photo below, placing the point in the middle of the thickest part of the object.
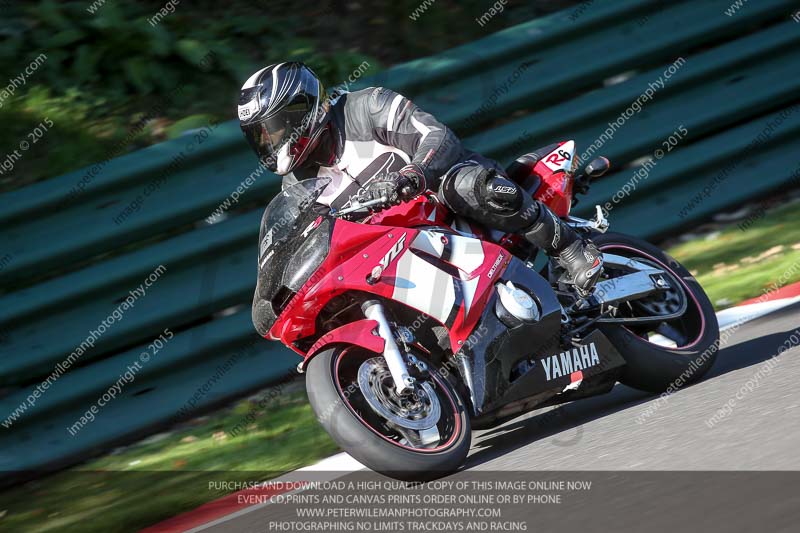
(608, 433)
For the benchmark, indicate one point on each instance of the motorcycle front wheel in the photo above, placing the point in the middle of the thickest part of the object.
(417, 436)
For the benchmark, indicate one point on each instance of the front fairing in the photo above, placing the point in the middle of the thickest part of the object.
(435, 273)
(346, 265)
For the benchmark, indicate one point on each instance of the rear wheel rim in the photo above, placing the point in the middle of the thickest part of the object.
(685, 331)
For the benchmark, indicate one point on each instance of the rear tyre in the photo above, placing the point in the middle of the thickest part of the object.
(692, 338)
(335, 394)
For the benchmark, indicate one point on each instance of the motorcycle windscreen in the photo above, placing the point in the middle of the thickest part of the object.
(293, 241)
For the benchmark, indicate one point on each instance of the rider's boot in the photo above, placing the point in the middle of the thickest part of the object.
(580, 258)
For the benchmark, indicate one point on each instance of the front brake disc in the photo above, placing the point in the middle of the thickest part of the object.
(418, 412)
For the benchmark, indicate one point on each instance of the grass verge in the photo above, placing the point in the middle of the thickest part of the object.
(744, 259)
(167, 474)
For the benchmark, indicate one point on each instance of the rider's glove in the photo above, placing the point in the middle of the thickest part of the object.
(396, 187)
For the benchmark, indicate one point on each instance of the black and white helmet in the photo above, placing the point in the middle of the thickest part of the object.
(282, 113)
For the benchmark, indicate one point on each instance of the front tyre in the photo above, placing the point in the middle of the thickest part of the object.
(352, 395)
(669, 354)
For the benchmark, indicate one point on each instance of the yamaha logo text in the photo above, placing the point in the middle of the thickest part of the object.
(565, 363)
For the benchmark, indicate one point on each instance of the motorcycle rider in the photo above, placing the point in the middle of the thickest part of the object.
(375, 143)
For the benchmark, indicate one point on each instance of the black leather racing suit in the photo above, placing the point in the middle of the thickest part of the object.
(374, 132)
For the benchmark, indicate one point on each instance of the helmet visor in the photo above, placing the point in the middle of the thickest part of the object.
(269, 135)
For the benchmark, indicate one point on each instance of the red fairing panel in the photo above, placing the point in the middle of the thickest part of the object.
(556, 170)
(424, 210)
(449, 277)
(355, 249)
(359, 333)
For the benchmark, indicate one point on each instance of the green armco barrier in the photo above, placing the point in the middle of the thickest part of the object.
(73, 255)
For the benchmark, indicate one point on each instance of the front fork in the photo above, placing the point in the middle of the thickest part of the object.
(373, 310)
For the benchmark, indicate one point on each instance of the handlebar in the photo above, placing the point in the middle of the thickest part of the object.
(405, 193)
(358, 206)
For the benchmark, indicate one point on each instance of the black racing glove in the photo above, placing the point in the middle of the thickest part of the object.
(396, 187)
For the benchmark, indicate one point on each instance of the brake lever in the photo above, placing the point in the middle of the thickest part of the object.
(358, 206)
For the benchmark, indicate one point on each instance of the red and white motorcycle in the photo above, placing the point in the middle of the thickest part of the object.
(415, 325)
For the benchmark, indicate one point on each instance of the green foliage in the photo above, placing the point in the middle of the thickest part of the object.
(114, 51)
(72, 136)
(102, 69)
(107, 65)
(118, 51)
(189, 123)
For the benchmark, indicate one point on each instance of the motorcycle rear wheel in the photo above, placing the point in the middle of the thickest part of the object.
(341, 407)
(655, 367)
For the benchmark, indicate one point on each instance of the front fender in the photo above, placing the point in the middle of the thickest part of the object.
(359, 333)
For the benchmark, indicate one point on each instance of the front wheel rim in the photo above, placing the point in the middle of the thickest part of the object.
(449, 424)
